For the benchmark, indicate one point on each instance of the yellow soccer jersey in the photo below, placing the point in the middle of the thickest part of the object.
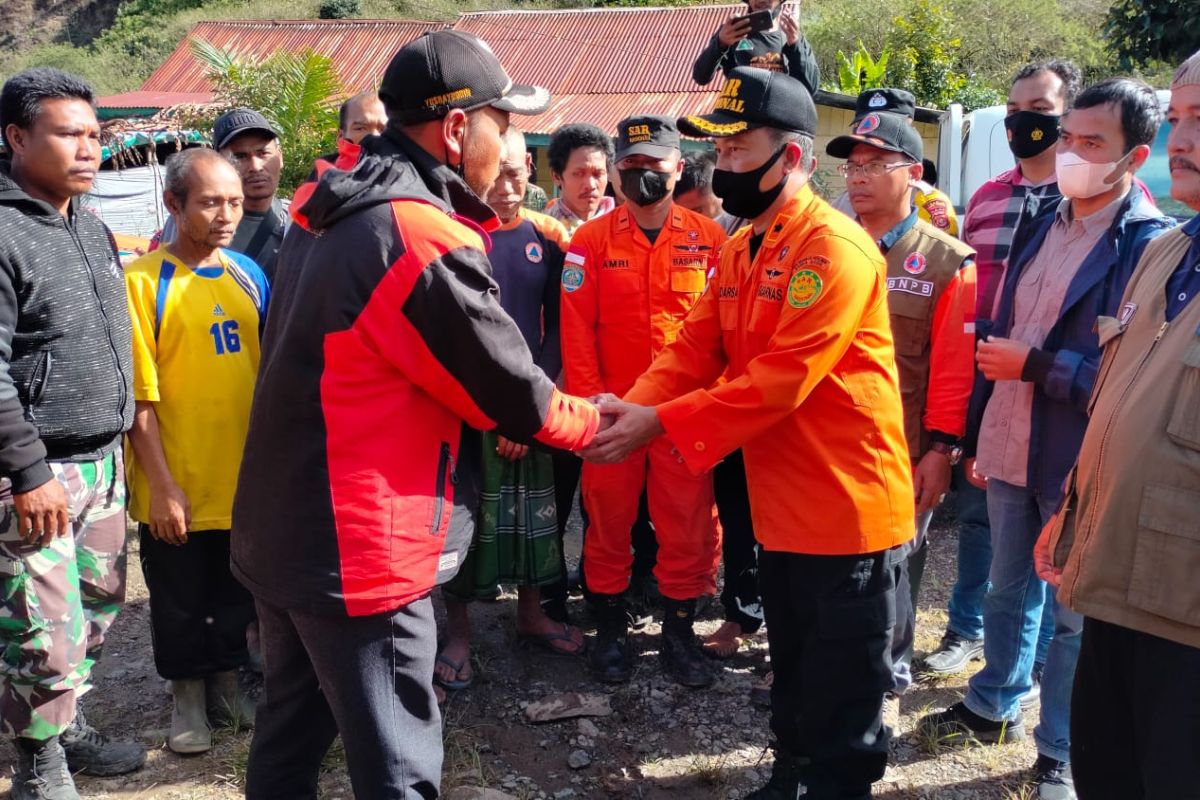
(195, 356)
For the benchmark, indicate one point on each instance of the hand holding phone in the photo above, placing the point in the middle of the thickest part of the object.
(761, 21)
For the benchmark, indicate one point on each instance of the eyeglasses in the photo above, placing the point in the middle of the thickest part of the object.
(872, 169)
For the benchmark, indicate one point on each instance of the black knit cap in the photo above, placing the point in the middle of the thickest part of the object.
(235, 122)
(444, 70)
(755, 98)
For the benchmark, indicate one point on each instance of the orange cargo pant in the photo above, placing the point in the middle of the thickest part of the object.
(681, 508)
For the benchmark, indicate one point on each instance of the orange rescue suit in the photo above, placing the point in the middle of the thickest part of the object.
(812, 395)
(623, 301)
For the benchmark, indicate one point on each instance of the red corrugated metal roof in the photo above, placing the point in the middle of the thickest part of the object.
(609, 50)
(144, 99)
(360, 49)
(606, 110)
(600, 65)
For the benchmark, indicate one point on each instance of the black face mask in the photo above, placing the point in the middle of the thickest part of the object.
(1030, 133)
(739, 192)
(643, 187)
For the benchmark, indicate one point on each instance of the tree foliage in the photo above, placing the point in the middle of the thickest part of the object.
(861, 71)
(298, 92)
(340, 9)
(1145, 31)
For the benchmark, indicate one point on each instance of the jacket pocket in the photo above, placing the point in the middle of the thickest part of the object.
(39, 379)
(438, 523)
(910, 321)
(1184, 426)
(688, 280)
(1166, 556)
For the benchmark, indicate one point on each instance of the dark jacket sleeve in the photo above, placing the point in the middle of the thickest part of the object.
(22, 454)
(551, 358)
(475, 361)
(802, 63)
(707, 62)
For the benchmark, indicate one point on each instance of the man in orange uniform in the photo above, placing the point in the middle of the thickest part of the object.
(796, 318)
(629, 279)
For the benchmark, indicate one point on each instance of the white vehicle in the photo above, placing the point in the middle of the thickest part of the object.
(973, 147)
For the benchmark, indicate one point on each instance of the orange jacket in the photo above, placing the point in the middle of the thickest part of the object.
(812, 397)
(624, 300)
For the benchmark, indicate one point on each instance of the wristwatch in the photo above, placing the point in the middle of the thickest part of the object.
(952, 452)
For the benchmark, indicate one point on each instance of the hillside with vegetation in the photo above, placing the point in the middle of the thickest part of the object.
(943, 50)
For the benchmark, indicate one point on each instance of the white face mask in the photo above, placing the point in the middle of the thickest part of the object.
(1080, 179)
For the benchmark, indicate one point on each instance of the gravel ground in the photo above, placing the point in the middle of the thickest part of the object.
(661, 741)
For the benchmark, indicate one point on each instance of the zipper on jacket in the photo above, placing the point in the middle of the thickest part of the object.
(439, 493)
(1091, 522)
(107, 321)
(38, 381)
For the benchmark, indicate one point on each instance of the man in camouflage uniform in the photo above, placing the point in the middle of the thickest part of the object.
(65, 401)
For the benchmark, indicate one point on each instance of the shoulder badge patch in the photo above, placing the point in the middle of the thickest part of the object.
(804, 289)
(572, 279)
(915, 263)
(533, 252)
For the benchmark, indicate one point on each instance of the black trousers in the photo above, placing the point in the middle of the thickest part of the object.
(1135, 716)
(828, 626)
(198, 611)
(739, 550)
(369, 679)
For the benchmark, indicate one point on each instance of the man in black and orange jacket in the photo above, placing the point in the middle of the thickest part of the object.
(385, 354)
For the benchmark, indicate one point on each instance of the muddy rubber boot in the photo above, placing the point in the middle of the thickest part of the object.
(91, 752)
(190, 732)
(42, 772)
(609, 659)
(228, 705)
(681, 654)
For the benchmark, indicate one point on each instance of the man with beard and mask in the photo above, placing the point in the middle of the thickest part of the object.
(628, 281)
(1038, 359)
(1040, 94)
(782, 48)
(1123, 548)
(796, 320)
(386, 354)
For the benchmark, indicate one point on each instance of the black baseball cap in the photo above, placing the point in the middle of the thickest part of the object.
(444, 70)
(892, 101)
(756, 98)
(647, 135)
(235, 122)
(883, 130)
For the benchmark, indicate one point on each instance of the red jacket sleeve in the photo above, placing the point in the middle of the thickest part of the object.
(952, 355)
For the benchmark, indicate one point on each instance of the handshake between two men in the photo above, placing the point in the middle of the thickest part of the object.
(624, 427)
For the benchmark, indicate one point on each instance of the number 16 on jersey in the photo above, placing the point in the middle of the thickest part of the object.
(225, 337)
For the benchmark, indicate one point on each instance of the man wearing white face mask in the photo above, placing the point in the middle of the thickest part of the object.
(1038, 358)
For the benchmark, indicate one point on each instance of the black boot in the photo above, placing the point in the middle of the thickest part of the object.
(681, 655)
(609, 658)
(786, 781)
(91, 752)
(42, 772)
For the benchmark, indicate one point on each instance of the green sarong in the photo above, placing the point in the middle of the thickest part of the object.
(516, 534)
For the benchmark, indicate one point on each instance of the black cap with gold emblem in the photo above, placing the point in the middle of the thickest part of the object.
(444, 70)
(756, 98)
